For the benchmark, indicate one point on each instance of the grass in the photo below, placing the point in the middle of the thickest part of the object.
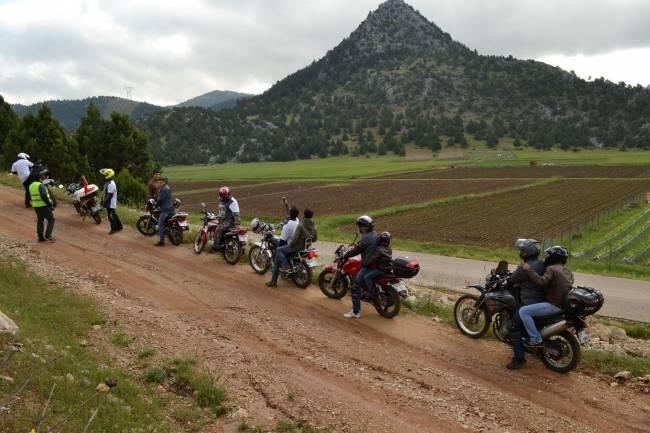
(431, 306)
(146, 353)
(185, 377)
(121, 339)
(299, 426)
(52, 323)
(156, 375)
(610, 363)
(632, 329)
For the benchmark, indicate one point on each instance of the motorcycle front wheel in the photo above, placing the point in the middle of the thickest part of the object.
(332, 286)
(175, 235)
(146, 225)
(199, 242)
(388, 302)
(258, 260)
(97, 218)
(232, 251)
(561, 352)
(302, 276)
(469, 320)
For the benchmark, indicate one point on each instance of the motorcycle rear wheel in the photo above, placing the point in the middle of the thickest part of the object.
(467, 318)
(388, 303)
(175, 235)
(569, 347)
(232, 251)
(302, 276)
(146, 225)
(97, 218)
(330, 288)
(258, 260)
(199, 242)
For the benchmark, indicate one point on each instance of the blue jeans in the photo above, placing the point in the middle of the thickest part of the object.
(164, 216)
(528, 312)
(369, 279)
(358, 284)
(280, 258)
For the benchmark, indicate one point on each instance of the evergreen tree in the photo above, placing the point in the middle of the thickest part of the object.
(8, 120)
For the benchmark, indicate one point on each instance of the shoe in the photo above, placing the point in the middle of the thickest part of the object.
(41, 239)
(271, 284)
(159, 244)
(112, 232)
(49, 238)
(532, 344)
(516, 364)
(352, 315)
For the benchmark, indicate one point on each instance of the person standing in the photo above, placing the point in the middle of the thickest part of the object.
(109, 201)
(166, 204)
(154, 184)
(43, 206)
(23, 168)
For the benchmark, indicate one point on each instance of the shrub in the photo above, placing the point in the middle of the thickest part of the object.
(130, 191)
(156, 375)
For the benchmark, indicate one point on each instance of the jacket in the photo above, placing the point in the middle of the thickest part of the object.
(165, 201)
(40, 195)
(382, 258)
(556, 281)
(365, 247)
(305, 230)
(529, 291)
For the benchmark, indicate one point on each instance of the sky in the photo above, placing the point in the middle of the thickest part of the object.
(169, 51)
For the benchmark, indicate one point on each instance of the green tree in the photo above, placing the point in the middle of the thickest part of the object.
(8, 120)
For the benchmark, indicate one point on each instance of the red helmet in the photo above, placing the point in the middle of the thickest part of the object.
(224, 193)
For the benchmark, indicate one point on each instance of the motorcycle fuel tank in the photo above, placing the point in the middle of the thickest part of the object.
(352, 266)
(503, 297)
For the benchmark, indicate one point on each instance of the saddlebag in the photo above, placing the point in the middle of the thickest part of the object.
(403, 267)
(584, 301)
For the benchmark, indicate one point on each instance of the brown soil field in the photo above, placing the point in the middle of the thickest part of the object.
(351, 197)
(528, 172)
(179, 187)
(500, 219)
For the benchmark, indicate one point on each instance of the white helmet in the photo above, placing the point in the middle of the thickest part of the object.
(23, 155)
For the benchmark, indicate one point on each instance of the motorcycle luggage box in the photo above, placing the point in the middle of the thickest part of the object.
(90, 192)
(584, 300)
(403, 267)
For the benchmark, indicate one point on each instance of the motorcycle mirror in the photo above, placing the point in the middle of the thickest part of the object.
(502, 268)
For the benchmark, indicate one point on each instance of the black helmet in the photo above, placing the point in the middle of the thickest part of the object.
(528, 248)
(384, 238)
(556, 254)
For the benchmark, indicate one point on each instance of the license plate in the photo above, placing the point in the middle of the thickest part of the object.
(95, 209)
(400, 287)
(583, 336)
(311, 263)
(243, 238)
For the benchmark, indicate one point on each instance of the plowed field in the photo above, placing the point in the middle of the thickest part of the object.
(351, 197)
(499, 219)
(528, 172)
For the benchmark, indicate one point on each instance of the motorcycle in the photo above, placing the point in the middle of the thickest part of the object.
(206, 234)
(174, 226)
(336, 280)
(84, 199)
(562, 333)
(262, 253)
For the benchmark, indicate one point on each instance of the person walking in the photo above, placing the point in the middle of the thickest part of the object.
(23, 168)
(43, 206)
(166, 204)
(109, 202)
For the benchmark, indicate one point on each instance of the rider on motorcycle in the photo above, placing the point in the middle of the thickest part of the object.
(366, 247)
(165, 202)
(306, 230)
(529, 293)
(23, 168)
(381, 261)
(289, 228)
(556, 281)
(230, 219)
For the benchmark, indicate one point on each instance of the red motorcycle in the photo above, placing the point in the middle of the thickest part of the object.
(336, 280)
(233, 242)
(174, 227)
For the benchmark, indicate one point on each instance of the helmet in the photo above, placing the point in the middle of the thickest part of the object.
(365, 220)
(557, 251)
(177, 203)
(385, 238)
(224, 193)
(108, 173)
(528, 248)
(255, 225)
(23, 155)
(39, 171)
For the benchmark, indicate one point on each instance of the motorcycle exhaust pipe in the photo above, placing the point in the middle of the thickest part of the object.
(553, 329)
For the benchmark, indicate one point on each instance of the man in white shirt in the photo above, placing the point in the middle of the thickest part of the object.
(110, 200)
(289, 227)
(23, 168)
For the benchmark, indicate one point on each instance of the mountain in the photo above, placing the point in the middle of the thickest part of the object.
(70, 112)
(217, 100)
(400, 79)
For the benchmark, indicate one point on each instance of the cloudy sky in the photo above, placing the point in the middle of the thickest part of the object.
(169, 51)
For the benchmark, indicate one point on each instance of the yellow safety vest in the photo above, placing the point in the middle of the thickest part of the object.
(37, 200)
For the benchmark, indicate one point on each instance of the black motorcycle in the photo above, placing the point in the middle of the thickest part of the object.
(497, 303)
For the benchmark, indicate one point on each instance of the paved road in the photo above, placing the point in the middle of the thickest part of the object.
(624, 298)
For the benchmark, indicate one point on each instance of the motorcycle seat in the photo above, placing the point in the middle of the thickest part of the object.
(549, 318)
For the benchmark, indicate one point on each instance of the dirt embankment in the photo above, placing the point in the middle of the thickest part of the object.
(404, 375)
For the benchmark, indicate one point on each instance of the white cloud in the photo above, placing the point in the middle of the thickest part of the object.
(171, 51)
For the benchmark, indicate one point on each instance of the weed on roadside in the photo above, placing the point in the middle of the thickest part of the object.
(432, 306)
(121, 339)
(610, 363)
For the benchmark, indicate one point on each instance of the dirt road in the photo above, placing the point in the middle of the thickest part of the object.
(405, 375)
(625, 298)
